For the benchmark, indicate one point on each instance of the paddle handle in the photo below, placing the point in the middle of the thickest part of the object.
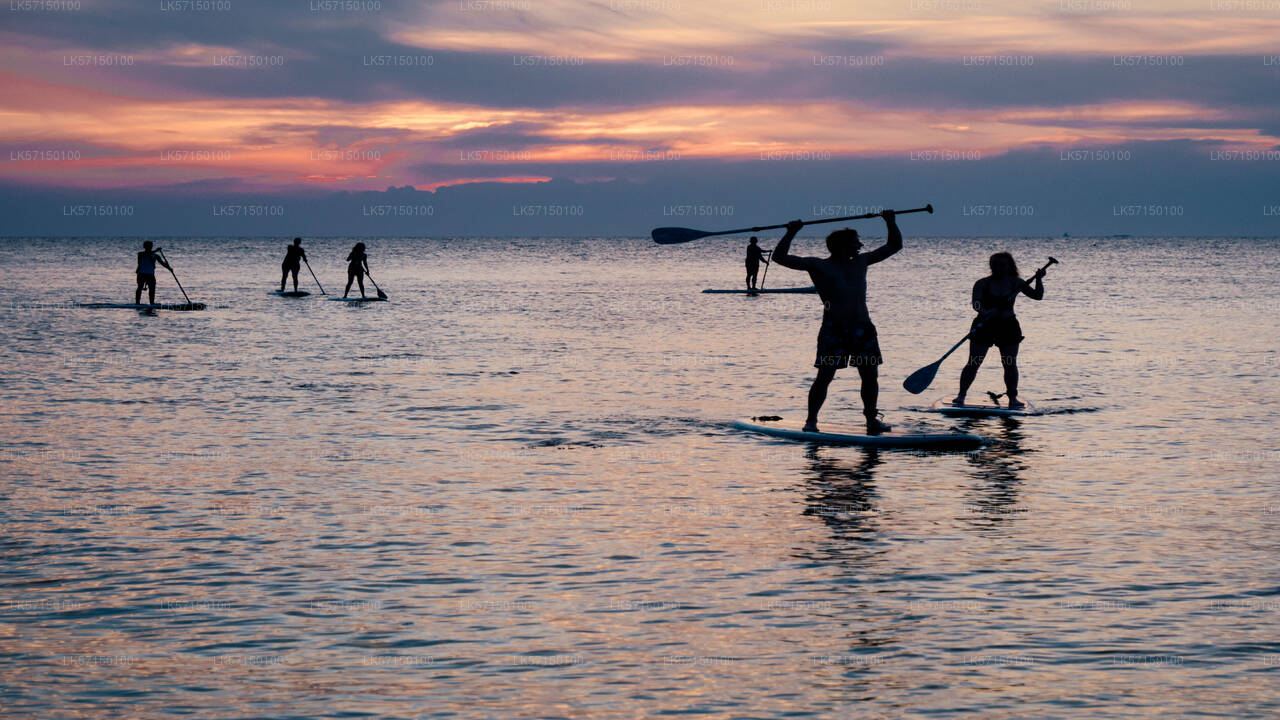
(927, 208)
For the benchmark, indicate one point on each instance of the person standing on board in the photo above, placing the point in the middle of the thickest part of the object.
(147, 260)
(754, 256)
(293, 257)
(847, 336)
(996, 324)
(357, 266)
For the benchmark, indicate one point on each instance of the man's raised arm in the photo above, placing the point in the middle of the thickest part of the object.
(782, 251)
(894, 244)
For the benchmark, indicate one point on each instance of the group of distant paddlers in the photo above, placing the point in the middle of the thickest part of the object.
(294, 257)
(848, 337)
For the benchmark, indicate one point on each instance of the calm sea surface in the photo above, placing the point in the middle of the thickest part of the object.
(511, 491)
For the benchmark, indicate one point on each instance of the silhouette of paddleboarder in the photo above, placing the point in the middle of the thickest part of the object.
(754, 256)
(847, 336)
(147, 260)
(357, 266)
(293, 257)
(996, 323)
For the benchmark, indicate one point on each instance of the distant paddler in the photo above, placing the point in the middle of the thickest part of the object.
(294, 256)
(754, 256)
(147, 260)
(357, 266)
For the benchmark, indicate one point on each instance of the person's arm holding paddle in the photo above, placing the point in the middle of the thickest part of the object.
(782, 251)
(1035, 291)
(891, 247)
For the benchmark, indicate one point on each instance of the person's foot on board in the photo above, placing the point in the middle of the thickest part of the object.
(875, 427)
(1016, 404)
(810, 426)
(958, 401)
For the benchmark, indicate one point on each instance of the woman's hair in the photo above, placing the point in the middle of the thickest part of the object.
(1013, 266)
(359, 246)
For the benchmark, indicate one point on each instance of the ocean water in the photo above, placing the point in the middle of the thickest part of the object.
(511, 491)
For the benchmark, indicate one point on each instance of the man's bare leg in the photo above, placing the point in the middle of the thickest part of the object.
(870, 376)
(817, 396)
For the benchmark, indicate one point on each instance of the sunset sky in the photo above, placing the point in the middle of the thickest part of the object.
(276, 99)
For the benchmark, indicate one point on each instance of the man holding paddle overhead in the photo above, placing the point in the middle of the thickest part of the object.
(847, 336)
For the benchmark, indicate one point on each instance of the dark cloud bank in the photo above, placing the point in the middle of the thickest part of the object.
(1164, 188)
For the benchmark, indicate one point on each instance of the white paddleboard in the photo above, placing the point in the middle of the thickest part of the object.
(835, 434)
(373, 298)
(944, 407)
(158, 306)
(766, 291)
(289, 293)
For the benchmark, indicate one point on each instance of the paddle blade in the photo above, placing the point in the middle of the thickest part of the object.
(919, 381)
(676, 235)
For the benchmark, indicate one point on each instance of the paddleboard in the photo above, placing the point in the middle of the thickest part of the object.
(944, 407)
(289, 293)
(158, 306)
(766, 291)
(374, 298)
(835, 434)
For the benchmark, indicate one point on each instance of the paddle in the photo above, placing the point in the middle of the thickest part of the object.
(767, 262)
(175, 276)
(375, 284)
(313, 277)
(676, 235)
(918, 381)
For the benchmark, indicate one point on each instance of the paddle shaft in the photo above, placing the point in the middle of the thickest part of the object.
(767, 262)
(175, 275)
(313, 277)
(927, 208)
(375, 283)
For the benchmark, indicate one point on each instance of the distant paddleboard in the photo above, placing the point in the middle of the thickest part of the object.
(290, 293)
(766, 291)
(835, 434)
(374, 298)
(132, 306)
(944, 407)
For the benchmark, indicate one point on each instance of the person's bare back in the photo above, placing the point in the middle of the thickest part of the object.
(842, 285)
